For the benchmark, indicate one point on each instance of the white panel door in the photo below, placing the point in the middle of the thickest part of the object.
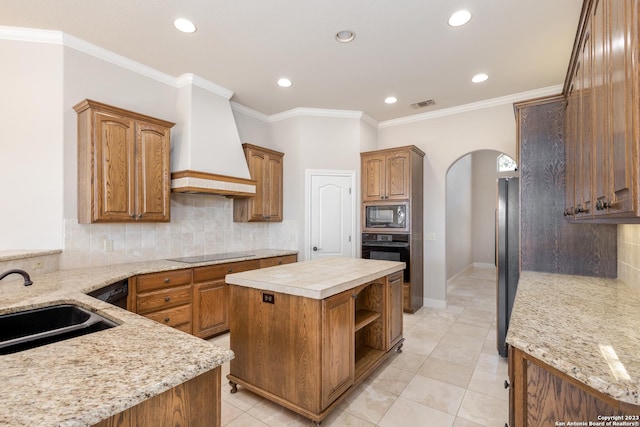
(331, 215)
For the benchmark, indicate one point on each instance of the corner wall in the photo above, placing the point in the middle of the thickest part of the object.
(444, 140)
(629, 255)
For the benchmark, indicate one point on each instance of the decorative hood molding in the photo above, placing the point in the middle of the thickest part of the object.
(200, 182)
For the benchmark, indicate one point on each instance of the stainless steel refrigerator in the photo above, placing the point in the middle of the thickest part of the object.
(507, 254)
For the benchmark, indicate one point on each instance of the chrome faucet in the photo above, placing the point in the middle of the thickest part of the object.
(27, 279)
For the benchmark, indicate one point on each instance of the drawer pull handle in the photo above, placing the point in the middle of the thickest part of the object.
(167, 280)
(230, 270)
(166, 320)
(167, 299)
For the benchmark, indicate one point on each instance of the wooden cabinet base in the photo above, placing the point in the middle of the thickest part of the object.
(540, 395)
(375, 360)
(306, 354)
(194, 403)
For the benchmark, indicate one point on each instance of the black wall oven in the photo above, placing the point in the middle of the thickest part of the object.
(390, 247)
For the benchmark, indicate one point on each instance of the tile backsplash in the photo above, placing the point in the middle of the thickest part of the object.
(200, 224)
(629, 254)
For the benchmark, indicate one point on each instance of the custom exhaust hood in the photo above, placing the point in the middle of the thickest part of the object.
(206, 152)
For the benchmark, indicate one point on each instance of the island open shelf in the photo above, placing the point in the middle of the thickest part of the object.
(307, 346)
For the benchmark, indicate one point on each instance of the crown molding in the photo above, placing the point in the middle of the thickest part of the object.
(249, 112)
(192, 79)
(321, 112)
(304, 112)
(116, 59)
(493, 102)
(30, 35)
(60, 38)
(67, 40)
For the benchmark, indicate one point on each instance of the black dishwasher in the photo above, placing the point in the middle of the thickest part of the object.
(115, 293)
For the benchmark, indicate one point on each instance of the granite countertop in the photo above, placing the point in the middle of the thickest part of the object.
(6, 255)
(81, 381)
(588, 328)
(317, 279)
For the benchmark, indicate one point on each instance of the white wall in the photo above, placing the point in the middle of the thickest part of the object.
(40, 83)
(31, 154)
(485, 175)
(86, 76)
(313, 142)
(44, 81)
(444, 140)
(459, 213)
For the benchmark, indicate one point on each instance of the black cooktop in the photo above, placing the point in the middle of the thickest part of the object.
(211, 257)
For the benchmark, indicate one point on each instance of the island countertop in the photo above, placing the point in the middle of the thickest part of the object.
(588, 328)
(81, 381)
(317, 279)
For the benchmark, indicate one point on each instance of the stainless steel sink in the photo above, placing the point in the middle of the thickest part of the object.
(33, 328)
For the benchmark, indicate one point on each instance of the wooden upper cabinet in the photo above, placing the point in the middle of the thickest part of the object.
(265, 167)
(603, 115)
(624, 115)
(123, 165)
(373, 177)
(387, 174)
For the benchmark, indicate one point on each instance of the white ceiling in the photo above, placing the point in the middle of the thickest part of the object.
(402, 48)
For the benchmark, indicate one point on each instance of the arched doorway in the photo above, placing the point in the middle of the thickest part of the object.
(470, 209)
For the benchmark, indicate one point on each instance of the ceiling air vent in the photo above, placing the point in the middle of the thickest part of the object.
(425, 103)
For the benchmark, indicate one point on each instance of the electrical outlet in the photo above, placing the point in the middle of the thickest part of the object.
(430, 236)
(37, 265)
(108, 245)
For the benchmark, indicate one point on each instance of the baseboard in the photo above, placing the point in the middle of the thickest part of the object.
(483, 265)
(460, 273)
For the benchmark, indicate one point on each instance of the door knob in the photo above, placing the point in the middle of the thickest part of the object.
(315, 248)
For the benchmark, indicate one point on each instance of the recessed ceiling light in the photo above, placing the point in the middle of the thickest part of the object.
(184, 25)
(345, 36)
(284, 82)
(391, 100)
(459, 18)
(478, 78)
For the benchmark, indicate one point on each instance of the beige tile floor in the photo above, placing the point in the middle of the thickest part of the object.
(448, 375)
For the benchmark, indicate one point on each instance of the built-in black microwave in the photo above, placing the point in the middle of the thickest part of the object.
(381, 216)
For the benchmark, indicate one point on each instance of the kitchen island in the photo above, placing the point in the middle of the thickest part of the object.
(574, 343)
(306, 334)
(137, 373)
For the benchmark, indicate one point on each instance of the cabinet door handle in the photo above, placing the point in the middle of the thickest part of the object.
(580, 209)
(167, 280)
(166, 320)
(167, 299)
(230, 270)
(506, 384)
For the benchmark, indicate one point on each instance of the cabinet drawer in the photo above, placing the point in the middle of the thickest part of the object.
(174, 317)
(280, 260)
(165, 279)
(164, 298)
(215, 272)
